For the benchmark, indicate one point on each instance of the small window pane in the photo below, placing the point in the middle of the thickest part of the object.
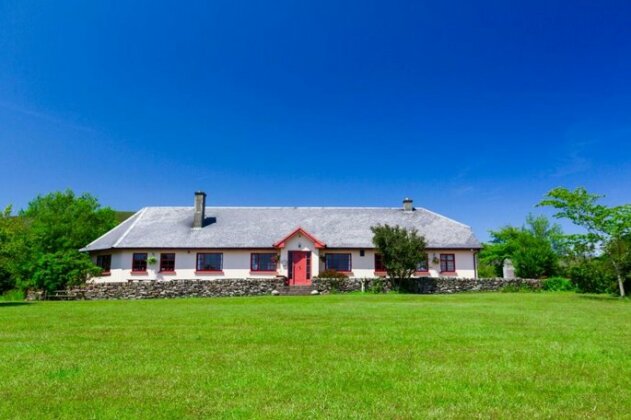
(105, 262)
(447, 262)
(263, 262)
(139, 262)
(423, 265)
(167, 262)
(338, 262)
(210, 262)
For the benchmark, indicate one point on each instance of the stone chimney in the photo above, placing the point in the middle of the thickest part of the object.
(200, 209)
(408, 204)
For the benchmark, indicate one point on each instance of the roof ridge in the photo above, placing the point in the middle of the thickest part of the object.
(140, 213)
(444, 217)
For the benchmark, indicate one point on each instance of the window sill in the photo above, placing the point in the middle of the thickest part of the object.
(106, 273)
(422, 273)
(381, 273)
(448, 273)
(208, 272)
(139, 273)
(168, 273)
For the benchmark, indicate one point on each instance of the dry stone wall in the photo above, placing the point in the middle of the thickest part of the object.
(253, 287)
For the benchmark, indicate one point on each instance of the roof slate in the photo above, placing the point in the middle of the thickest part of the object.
(261, 227)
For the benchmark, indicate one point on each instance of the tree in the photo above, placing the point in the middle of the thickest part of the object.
(607, 227)
(534, 248)
(14, 249)
(401, 249)
(59, 224)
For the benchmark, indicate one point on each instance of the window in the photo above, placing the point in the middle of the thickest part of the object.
(210, 262)
(167, 262)
(379, 265)
(447, 263)
(105, 262)
(139, 262)
(338, 262)
(263, 262)
(423, 265)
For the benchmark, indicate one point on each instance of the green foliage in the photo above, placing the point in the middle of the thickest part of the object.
(377, 285)
(487, 271)
(607, 227)
(331, 274)
(557, 284)
(518, 288)
(39, 248)
(593, 275)
(532, 248)
(13, 295)
(401, 249)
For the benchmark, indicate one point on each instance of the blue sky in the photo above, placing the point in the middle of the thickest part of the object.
(474, 109)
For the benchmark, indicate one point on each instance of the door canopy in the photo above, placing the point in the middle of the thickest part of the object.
(300, 231)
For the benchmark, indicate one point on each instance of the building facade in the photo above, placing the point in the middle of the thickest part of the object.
(206, 243)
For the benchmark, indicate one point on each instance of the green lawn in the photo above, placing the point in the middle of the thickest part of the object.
(484, 355)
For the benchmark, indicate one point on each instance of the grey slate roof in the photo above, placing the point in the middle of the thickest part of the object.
(261, 227)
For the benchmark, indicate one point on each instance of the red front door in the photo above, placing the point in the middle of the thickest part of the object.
(300, 268)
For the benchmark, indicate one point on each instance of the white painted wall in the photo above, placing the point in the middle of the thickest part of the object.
(236, 263)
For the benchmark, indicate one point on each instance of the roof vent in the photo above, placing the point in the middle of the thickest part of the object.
(408, 204)
(200, 209)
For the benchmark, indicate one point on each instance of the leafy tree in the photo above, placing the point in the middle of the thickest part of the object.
(401, 249)
(607, 227)
(14, 249)
(533, 248)
(59, 224)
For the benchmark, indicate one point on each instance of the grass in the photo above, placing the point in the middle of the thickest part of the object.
(395, 356)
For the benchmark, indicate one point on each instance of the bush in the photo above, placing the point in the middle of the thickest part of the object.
(593, 276)
(517, 288)
(331, 274)
(12, 296)
(377, 285)
(557, 284)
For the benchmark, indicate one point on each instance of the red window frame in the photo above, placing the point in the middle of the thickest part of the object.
(425, 267)
(350, 261)
(256, 256)
(139, 262)
(447, 263)
(379, 265)
(167, 262)
(202, 270)
(105, 262)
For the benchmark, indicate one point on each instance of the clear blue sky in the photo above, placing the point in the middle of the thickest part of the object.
(474, 109)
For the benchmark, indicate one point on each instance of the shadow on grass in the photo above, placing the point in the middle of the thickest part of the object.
(601, 297)
(7, 304)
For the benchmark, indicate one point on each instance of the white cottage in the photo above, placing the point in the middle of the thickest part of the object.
(205, 243)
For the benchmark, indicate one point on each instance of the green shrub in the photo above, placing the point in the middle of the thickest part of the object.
(12, 296)
(557, 284)
(377, 285)
(593, 276)
(331, 274)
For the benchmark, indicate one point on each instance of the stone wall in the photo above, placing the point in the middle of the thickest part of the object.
(427, 285)
(176, 288)
(147, 289)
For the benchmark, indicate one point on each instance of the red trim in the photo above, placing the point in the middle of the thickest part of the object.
(106, 273)
(167, 272)
(252, 254)
(318, 244)
(422, 273)
(139, 273)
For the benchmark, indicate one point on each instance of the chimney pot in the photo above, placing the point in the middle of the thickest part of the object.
(200, 209)
(408, 204)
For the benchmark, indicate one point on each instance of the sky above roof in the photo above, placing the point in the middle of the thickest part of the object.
(474, 109)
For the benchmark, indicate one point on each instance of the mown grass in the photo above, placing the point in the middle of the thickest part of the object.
(393, 356)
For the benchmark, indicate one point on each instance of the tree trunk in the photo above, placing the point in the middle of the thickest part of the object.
(620, 284)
